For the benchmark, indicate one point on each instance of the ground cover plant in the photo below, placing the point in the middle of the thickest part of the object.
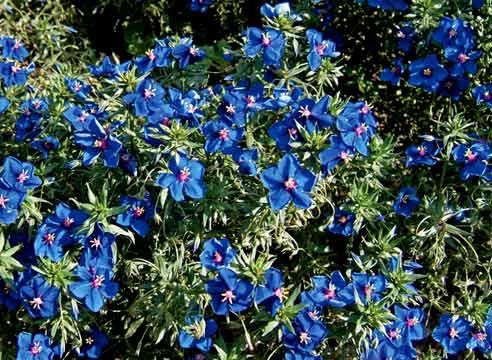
(312, 182)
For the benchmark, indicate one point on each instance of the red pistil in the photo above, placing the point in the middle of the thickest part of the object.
(97, 281)
(49, 238)
(224, 134)
(23, 176)
(3, 201)
(290, 184)
(184, 175)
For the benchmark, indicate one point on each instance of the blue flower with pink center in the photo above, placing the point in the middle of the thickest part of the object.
(483, 94)
(158, 57)
(93, 343)
(39, 298)
(229, 293)
(80, 89)
(307, 335)
(394, 73)
(217, 253)
(36, 347)
(319, 49)
(147, 98)
(221, 136)
(287, 182)
(269, 42)
(326, 290)
(452, 333)
(185, 178)
(108, 69)
(95, 140)
(368, 288)
(94, 286)
(406, 202)
(473, 158)
(427, 73)
(18, 175)
(187, 53)
(424, 154)
(343, 223)
(46, 145)
(337, 153)
(272, 294)
(13, 49)
(138, 214)
(13, 73)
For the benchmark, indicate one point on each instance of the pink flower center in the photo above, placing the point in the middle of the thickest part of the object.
(192, 109)
(394, 333)
(68, 222)
(470, 155)
(463, 58)
(230, 109)
(49, 238)
(421, 150)
(218, 258)
(427, 72)
(344, 155)
(17, 44)
(77, 86)
(368, 289)
(361, 129)
(22, 177)
(194, 51)
(342, 219)
(224, 134)
(3, 201)
(250, 100)
(411, 322)
(150, 54)
(95, 243)
(36, 303)
(265, 40)
(290, 184)
(452, 33)
(396, 70)
(365, 109)
(101, 144)
(165, 121)
(293, 133)
(228, 296)
(401, 35)
(15, 69)
(83, 116)
(97, 281)
(453, 333)
(480, 336)
(329, 293)
(280, 294)
(89, 340)
(305, 112)
(304, 337)
(138, 211)
(149, 93)
(314, 314)
(320, 49)
(487, 95)
(36, 348)
(184, 175)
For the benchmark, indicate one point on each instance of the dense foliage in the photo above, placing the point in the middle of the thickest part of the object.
(310, 182)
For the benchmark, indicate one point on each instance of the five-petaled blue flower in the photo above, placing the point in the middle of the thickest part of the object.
(13, 49)
(220, 136)
(414, 322)
(198, 333)
(474, 159)
(288, 181)
(272, 293)
(138, 214)
(229, 293)
(336, 153)
(308, 333)
(18, 175)
(246, 159)
(270, 41)
(406, 202)
(343, 223)
(217, 253)
(185, 178)
(424, 154)
(35, 347)
(326, 290)
(393, 74)
(427, 73)
(147, 98)
(93, 343)
(13, 74)
(483, 94)
(46, 145)
(453, 332)
(78, 87)
(39, 298)
(367, 287)
(187, 53)
(319, 48)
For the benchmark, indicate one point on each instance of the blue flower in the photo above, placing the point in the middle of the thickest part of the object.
(48, 243)
(480, 340)
(427, 73)
(186, 53)
(229, 293)
(220, 136)
(326, 290)
(13, 49)
(279, 10)
(18, 175)
(368, 288)
(393, 74)
(10, 201)
(147, 98)
(424, 154)
(288, 181)
(46, 145)
(98, 245)
(158, 57)
(314, 115)
(464, 61)
(108, 69)
(286, 132)
(453, 333)
(93, 286)
(94, 343)
(406, 37)
(197, 334)
(9, 296)
(473, 158)
(39, 298)
(454, 33)
(414, 322)
(483, 94)
(128, 163)
(272, 294)
(80, 89)
(138, 214)
(308, 334)
(35, 347)
(78, 117)
(269, 41)
(217, 253)
(319, 48)
(406, 202)
(4, 104)
(357, 125)
(200, 5)
(343, 223)
(336, 153)
(96, 140)
(246, 159)
(185, 178)
(27, 125)
(13, 74)
(67, 220)
(454, 86)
